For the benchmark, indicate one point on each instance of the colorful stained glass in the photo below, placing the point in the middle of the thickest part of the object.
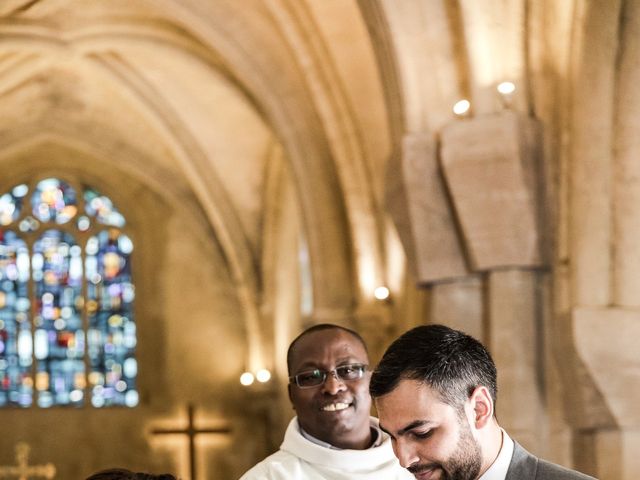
(16, 381)
(29, 224)
(101, 208)
(112, 331)
(59, 336)
(11, 204)
(54, 201)
(67, 330)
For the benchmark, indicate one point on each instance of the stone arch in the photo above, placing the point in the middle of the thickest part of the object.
(284, 101)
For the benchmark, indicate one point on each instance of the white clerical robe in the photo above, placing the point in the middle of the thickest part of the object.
(299, 458)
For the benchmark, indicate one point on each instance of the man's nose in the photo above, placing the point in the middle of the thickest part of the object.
(407, 455)
(333, 384)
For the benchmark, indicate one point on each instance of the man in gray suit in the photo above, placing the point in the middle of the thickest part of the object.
(435, 391)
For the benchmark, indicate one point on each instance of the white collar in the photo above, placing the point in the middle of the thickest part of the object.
(352, 463)
(498, 469)
(376, 436)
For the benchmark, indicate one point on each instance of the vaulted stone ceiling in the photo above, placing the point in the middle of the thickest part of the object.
(201, 95)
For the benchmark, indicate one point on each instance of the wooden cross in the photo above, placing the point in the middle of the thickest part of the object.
(191, 431)
(23, 471)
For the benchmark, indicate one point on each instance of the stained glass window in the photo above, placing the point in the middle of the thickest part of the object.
(67, 329)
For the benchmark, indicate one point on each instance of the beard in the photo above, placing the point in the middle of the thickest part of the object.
(463, 464)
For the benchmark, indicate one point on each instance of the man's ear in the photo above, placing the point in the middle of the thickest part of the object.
(482, 406)
(290, 397)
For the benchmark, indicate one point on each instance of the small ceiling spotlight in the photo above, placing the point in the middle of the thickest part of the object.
(381, 293)
(462, 107)
(263, 375)
(246, 379)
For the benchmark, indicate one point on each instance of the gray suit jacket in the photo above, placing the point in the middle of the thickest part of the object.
(525, 466)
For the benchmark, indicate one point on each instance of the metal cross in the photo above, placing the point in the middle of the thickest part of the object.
(191, 431)
(23, 471)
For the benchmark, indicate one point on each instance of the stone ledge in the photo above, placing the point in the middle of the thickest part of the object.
(606, 340)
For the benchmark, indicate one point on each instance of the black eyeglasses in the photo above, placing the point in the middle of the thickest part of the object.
(315, 378)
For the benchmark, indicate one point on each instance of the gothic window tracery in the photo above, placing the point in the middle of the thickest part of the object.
(67, 329)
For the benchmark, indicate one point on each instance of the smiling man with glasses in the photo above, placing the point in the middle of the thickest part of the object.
(333, 435)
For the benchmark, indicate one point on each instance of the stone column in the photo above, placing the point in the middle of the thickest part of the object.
(590, 177)
(616, 453)
(626, 211)
(602, 375)
(515, 339)
(492, 169)
(459, 304)
(472, 231)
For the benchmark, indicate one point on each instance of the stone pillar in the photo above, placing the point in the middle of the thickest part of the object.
(473, 231)
(516, 344)
(459, 304)
(602, 375)
(626, 211)
(616, 454)
(492, 169)
(590, 189)
(618, 331)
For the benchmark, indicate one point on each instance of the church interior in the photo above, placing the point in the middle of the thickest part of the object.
(187, 184)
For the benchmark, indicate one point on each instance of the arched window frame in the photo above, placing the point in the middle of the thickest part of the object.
(100, 376)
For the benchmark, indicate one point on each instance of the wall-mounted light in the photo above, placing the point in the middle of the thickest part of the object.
(462, 107)
(381, 293)
(506, 88)
(246, 379)
(506, 91)
(263, 375)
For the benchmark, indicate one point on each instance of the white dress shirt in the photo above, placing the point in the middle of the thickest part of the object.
(498, 469)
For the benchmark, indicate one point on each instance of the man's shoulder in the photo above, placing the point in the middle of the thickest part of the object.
(525, 465)
(551, 471)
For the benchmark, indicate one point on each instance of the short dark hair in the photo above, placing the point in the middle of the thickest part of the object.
(451, 362)
(124, 474)
(317, 328)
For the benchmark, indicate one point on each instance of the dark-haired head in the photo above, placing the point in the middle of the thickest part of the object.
(449, 361)
(124, 474)
(317, 328)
